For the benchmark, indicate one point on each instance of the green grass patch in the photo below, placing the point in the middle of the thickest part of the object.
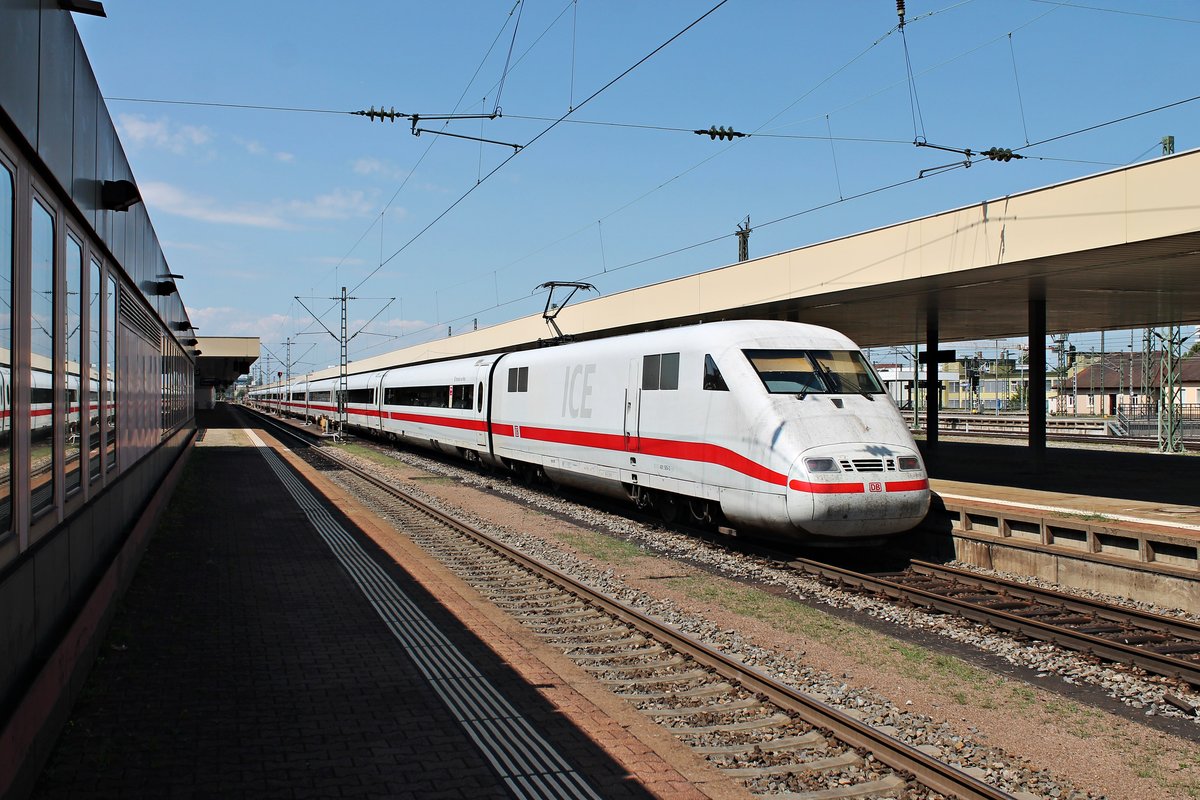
(367, 453)
(603, 548)
(949, 676)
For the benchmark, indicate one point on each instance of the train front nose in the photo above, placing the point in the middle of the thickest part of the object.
(857, 490)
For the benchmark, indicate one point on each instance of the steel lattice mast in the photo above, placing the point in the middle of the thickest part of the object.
(1170, 390)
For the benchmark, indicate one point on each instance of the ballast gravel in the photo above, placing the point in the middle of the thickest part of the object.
(1130, 686)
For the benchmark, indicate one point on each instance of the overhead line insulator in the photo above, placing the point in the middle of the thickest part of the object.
(371, 114)
(721, 133)
(1000, 154)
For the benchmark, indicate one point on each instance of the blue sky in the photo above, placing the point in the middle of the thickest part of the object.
(255, 207)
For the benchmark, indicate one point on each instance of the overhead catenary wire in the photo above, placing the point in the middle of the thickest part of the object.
(1017, 81)
(756, 132)
(425, 152)
(1125, 118)
(887, 187)
(574, 26)
(381, 244)
(508, 60)
(1081, 7)
(243, 106)
(833, 151)
(545, 131)
(914, 102)
(675, 251)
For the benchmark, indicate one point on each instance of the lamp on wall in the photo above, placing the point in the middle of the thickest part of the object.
(119, 195)
(92, 7)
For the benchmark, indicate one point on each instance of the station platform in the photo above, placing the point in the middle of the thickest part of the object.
(1153, 489)
(246, 661)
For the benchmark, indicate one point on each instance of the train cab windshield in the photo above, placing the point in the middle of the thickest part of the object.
(805, 372)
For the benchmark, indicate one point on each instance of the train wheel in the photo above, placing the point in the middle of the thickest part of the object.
(527, 474)
(668, 507)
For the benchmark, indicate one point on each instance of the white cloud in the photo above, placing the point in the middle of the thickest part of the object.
(280, 215)
(229, 321)
(173, 200)
(137, 130)
(338, 204)
(375, 166)
(255, 148)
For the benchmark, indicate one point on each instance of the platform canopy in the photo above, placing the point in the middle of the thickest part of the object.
(1116, 250)
(223, 359)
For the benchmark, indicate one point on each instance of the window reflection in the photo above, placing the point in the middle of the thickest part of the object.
(93, 382)
(6, 270)
(41, 359)
(73, 318)
(110, 372)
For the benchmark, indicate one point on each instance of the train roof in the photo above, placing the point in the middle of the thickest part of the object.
(710, 336)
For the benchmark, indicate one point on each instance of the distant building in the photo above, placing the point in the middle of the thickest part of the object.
(1120, 382)
(1092, 386)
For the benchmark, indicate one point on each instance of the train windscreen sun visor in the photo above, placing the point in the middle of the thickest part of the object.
(814, 372)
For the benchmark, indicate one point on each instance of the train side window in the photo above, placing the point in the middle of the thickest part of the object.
(650, 367)
(479, 397)
(462, 396)
(713, 380)
(669, 373)
(660, 371)
(518, 379)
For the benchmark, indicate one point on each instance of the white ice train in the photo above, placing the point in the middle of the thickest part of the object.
(779, 427)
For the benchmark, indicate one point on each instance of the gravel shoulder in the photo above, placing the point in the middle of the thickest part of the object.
(966, 709)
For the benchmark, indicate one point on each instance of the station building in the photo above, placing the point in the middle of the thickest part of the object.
(97, 366)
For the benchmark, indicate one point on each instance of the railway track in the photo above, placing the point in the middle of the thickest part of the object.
(1157, 644)
(780, 741)
(1094, 440)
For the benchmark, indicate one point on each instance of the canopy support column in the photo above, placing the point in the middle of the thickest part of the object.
(932, 388)
(1036, 391)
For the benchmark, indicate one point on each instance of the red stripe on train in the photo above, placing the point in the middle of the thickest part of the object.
(664, 448)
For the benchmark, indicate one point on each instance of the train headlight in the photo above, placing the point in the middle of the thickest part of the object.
(821, 465)
(909, 462)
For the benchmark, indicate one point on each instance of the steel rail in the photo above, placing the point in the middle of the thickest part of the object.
(1158, 663)
(1180, 628)
(898, 755)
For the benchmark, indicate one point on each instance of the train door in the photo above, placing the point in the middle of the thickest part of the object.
(380, 398)
(482, 371)
(377, 397)
(633, 410)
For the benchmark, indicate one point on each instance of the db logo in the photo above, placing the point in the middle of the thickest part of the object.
(874, 486)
